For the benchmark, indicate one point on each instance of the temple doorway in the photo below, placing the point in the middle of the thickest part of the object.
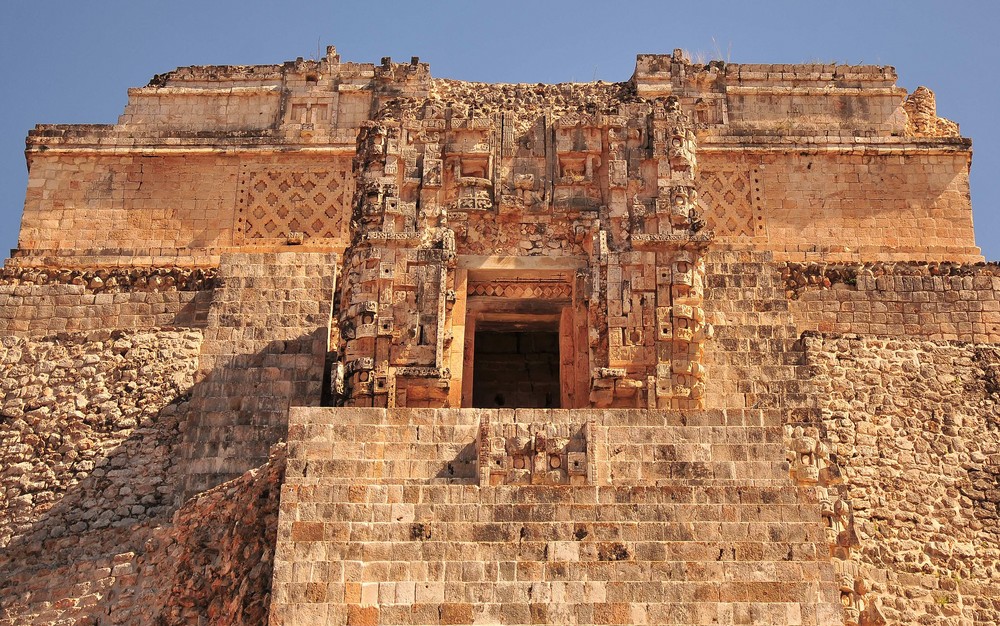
(524, 338)
(516, 368)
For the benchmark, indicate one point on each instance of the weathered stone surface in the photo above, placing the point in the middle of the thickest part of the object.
(911, 429)
(216, 561)
(89, 426)
(938, 301)
(713, 344)
(921, 116)
(211, 561)
(77, 410)
(114, 279)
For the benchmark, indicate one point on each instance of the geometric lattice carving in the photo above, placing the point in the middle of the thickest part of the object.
(731, 202)
(518, 289)
(276, 201)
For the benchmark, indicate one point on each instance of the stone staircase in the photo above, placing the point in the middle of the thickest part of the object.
(681, 519)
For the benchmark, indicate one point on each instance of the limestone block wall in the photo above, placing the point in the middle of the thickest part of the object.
(912, 427)
(114, 410)
(312, 96)
(54, 300)
(517, 369)
(781, 98)
(840, 202)
(763, 104)
(184, 209)
(265, 349)
(46, 309)
(205, 107)
(129, 202)
(385, 519)
(899, 204)
(937, 301)
(754, 360)
(808, 161)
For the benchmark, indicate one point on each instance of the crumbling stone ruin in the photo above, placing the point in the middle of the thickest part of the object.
(342, 343)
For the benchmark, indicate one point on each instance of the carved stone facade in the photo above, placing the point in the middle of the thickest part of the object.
(278, 203)
(638, 242)
(536, 454)
(332, 342)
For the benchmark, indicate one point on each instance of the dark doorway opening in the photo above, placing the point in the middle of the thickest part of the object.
(518, 369)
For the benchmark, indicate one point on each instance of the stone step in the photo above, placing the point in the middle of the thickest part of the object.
(516, 523)
(580, 561)
(665, 613)
(526, 606)
(774, 495)
(444, 472)
(305, 421)
(409, 528)
(636, 593)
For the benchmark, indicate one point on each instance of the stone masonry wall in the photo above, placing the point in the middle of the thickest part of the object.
(265, 350)
(53, 300)
(753, 361)
(180, 210)
(856, 203)
(129, 202)
(44, 309)
(210, 562)
(87, 431)
(166, 322)
(911, 428)
(68, 402)
(90, 532)
(807, 161)
(938, 301)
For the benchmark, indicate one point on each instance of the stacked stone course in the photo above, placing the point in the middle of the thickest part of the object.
(265, 349)
(667, 527)
(943, 302)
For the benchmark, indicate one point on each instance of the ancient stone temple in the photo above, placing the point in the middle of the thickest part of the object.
(342, 343)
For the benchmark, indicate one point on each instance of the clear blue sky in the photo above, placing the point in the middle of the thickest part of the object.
(72, 61)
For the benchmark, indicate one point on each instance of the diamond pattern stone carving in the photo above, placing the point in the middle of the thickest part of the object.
(731, 203)
(313, 199)
(545, 290)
